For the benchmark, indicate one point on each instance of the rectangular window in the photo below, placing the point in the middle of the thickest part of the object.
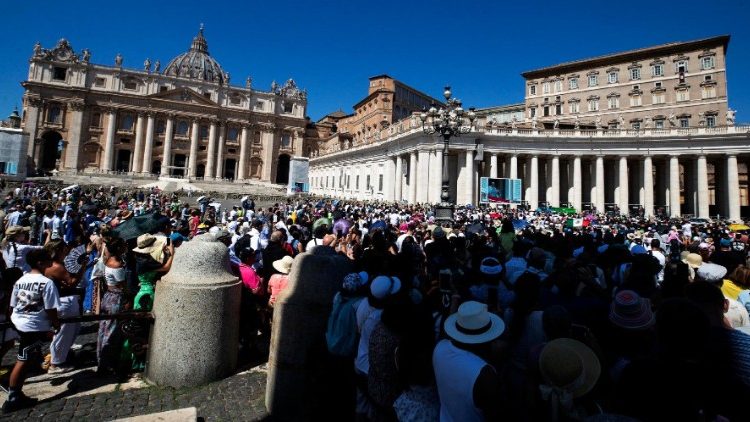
(380, 183)
(635, 100)
(636, 125)
(658, 99)
(709, 92)
(59, 73)
(163, 88)
(683, 95)
(356, 183)
(659, 123)
(160, 126)
(256, 137)
(684, 122)
(707, 62)
(593, 105)
(232, 134)
(100, 82)
(657, 85)
(593, 80)
(288, 107)
(286, 141)
(657, 70)
(532, 112)
(545, 88)
(635, 73)
(130, 85)
(259, 105)
(681, 66)
(546, 111)
(367, 186)
(204, 132)
(558, 86)
(612, 77)
(574, 107)
(558, 109)
(573, 83)
(614, 102)
(96, 120)
(532, 90)
(711, 121)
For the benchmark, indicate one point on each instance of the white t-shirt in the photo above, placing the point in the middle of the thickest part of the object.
(662, 261)
(17, 260)
(32, 295)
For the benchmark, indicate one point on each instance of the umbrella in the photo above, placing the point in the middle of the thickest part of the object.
(75, 260)
(342, 226)
(320, 222)
(476, 228)
(379, 224)
(520, 224)
(738, 227)
(138, 225)
(90, 208)
(201, 198)
(71, 187)
(216, 205)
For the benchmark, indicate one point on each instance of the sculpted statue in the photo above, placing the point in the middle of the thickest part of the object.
(86, 55)
(157, 66)
(672, 119)
(37, 49)
(513, 122)
(556, 125)
(730, 117)
(118, 60)
(598, 122)
(227, 76)
(249, 82)
(533, 122)
(577, 124)
(647, 123)
(147, 65)
(274, 86)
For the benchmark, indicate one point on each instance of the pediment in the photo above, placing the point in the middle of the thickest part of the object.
(183, 95)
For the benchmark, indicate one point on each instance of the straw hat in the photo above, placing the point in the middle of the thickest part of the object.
(283, 265)
(693, 260)
(151, 245)
(473, 324)
(569, 365)
(14, 230)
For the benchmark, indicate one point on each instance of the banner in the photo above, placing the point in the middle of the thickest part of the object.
(298, 175)
(499, 190)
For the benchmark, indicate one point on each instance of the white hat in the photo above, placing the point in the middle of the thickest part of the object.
(383, 286)
(473, 324)
(283, 265)
(711, 272)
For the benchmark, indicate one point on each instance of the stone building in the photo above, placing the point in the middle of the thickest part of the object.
(183, 119)
(680, 84)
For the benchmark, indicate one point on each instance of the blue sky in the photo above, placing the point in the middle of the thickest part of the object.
(332, 47)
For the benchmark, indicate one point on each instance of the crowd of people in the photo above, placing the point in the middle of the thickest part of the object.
(499, 313)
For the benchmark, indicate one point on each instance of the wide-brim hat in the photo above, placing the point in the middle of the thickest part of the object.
(14, 230)
(148, 243)
(630, 311)
(711, 272)
(473, 324)
(283, 265)
(570, 365)
(693, 260)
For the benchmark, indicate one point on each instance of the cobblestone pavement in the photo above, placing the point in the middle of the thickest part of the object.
(83, 395)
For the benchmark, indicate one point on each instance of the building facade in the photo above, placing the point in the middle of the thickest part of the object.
(673, 169)
(182, 120)
(680, 84)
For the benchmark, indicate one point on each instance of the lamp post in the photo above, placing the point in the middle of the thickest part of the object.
(449, 121)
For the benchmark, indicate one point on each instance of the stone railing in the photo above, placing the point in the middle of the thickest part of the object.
(605, 132)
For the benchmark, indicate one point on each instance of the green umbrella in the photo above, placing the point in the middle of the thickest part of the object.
(321, 222)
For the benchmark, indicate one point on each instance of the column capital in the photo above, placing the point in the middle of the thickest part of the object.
(77, 105)
(110, 109)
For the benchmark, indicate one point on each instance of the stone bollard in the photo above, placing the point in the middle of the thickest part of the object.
(297, 385)
(195, 335)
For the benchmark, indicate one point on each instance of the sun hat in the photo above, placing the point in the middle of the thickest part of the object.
(631, 311)
(711, 272)
(473, 324)
(490, 266)
(151, 245)
(693, 260)
(353, 281)
(568, 367)
(14, 230)
(383, 286)
(630, 236)
(283, 265)
(438, 233)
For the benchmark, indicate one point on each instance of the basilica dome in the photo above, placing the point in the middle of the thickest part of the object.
(196, 63)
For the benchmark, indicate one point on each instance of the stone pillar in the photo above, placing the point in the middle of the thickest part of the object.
(493, 165)
(513, 167)
(73, 147)
(269, 139)
(193, 159)
(33, 108)
(702, 188)
(300, 383)
(533, 199)
(624, 199)
(399, 179)
(211, 152)
(674, 187)
(412, 177)
(138, 153)
(436, 185)
(220, 151)
(148, 150)
(555, 182)
(470, 177)
(388, 179)
(577, 184)
(195, 336)
(241, 174)
(109, 143)
(599, 203)
(423, 176)
(733, 188)
(166, 160)
(648, 186)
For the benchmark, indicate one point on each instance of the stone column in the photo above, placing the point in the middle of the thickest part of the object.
(648, 186)
(624, 199)
(109, 143)
(513, 167)
(493, 165)
(423, 176)
(166, 159)
(201, 297)
(533, 199)
(702, 179)
(148, 150)
(242, 175)
(269, 139)
(399, 179)
(193, 159)
(577, 184)
(599, 203)
(220, 151)
(555, 182)
(211, 153)
(733, 188)
(388, 180)
(33, 108)
(73, 147)
(138, 153)
(437, 176)
(674, 187)
(412, 177)
(470, 177)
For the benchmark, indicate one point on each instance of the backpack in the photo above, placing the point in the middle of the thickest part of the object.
(341, 335)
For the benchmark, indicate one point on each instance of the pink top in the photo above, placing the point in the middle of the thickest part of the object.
(250, 278)
(277, 284)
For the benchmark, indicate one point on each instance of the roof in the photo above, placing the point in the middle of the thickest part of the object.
(629, 55)
(495, 109)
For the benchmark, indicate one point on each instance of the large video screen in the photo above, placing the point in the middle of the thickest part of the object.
(499, 190)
